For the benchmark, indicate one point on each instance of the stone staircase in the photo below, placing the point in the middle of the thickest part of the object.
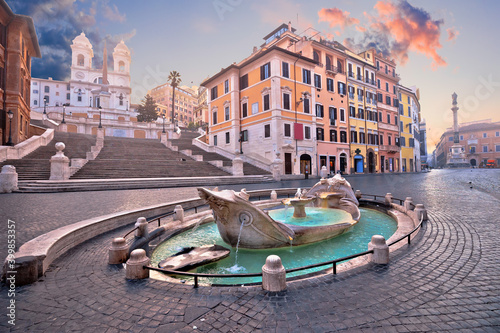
(185, 143)
(122, 158)
(36, 165)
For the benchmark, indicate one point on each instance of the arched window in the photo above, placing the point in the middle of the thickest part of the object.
(121, 66)
(35, 102)
(121, 99)
(98, 80)
(80, 61)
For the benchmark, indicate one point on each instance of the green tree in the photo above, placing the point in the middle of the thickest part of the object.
(147, 110)
(175, 78)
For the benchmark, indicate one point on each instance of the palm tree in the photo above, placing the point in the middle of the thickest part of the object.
(175, 78)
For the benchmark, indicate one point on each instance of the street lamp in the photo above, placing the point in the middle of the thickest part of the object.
(64, 112)
(45, 105)
(163, 123)
(10, 114)
(100, 115)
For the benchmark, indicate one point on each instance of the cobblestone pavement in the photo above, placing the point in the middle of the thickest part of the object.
(448, 279)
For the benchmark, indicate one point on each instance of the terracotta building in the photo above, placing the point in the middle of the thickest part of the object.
(18, 44)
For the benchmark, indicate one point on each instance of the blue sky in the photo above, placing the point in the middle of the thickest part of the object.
(197, 38)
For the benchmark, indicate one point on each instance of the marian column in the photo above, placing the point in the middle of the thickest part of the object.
(456, 138)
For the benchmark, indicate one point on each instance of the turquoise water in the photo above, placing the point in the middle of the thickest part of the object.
(251, 261)
(315, 216)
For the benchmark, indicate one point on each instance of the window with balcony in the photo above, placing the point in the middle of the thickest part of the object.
(333, 135)
(472, 149)
(354, 137)
(360, 95)
(329, 84)
(350, 72)
(340, 66)
(352, 112)
(320, 134)
(389, 140)
(351, 92)
(316, 56)
(361, 114)
(388, 100)
(341, 87)
(319, 111)
(333, 115)
(362, 137)
(343, 136)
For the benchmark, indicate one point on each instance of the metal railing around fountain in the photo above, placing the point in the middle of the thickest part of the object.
(334, 262)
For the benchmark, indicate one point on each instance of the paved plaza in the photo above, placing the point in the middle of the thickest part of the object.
(448, 279)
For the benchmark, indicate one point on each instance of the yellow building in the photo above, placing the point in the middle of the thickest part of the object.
(409, 115)
(363, 115)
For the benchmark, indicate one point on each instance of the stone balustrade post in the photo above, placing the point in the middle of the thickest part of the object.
(358, 194)
(178, 213)
(59, 164)
(421, 212)
(142, 228)
(276, 167)
(163, 138)
(323, 172)
(380, 250)
(408, 204)
(238, 165)
(8, 179)
(135, 265)
(118, 251)
(274, 195)
(388, 199)
(273, 274)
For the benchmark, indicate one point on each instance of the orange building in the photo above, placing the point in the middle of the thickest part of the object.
(186, 101)
(18, 43)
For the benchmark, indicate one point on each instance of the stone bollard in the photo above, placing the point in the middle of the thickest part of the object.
(274, 195)
(388, 199)
(59, 164)
(323, 172)
(421, 211)
(134, 269)
(8, 179)
(238, 165)
(163, 138)
(142, 228)
(273, 274)
(358, 194)
(408, 204)
(276, 167)
(380, 250)
(118, 251)
(179, 213)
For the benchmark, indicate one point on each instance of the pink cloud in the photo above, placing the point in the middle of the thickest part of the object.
(452, 34)
(336, 17)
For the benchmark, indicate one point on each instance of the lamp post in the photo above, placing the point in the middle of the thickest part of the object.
(64, 113)
(100, 115)
(163, 124)
(45, 105)
(10, 114)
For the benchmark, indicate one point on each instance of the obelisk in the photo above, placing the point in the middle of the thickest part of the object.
(456, 138)
(104, 95)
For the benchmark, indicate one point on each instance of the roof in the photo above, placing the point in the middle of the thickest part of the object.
(284, 25)
(251, 59)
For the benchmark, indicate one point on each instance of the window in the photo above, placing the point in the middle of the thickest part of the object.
(68, 96)
(213, 93)
(266, 102)
(381, 139)
(227, 138)
(285, 69)
(409, 111)
(388, 118)
(307, 132)
(244, 110)
(409, 128)
(351, 92)
(380, 97)
(408, 97)
(333, 135)
(317, 81)
(378, 83)
(265, 71)
(287, 130)
(226, 113)
(214, 118)
(340, 66)
(68, 87)
(35, 102)
(319, 111)
(255, 108)
(349, 66)
(485, 149)
(244, 136)
(362, 137)
(80, 60)
(386, 86)
(341, 87)
(47, 89)
(320, 134)
(215, 140)
(395, 120)
(352, 112)
(395, 102)
(361, 114)
(244, 82)
(401, 127)
(360, 95)
(306, 76)
(354, 137)
(343, 136)
(497, 148)
(79, 98)
(226, 86)
(485, 135)
(286, 101)
(333, 115)
(388, 100)
(461, 137)
(378, 65)
(402, 141)
(394, 89)
(380, 116)
(35, 91)
(497, 134)
(472, 149)
(342, 115)
(329, 85)
(389, 140)
(306, 105)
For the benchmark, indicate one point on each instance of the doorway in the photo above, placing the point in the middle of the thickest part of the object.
(358, 164)
(305, 164)
(343, 162)
(371, 162)
(288, 163)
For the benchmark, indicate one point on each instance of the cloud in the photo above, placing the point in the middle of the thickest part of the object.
(452, 34)
(112, 13)
(57, 23)
(396, 29)
(336, 17)
(282, 11)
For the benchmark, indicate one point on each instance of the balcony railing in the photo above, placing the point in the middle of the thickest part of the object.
(389, 148)
(351, 74)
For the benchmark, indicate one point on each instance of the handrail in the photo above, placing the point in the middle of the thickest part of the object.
(291, 270)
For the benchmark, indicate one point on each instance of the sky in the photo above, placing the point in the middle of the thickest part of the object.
(440, 47)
